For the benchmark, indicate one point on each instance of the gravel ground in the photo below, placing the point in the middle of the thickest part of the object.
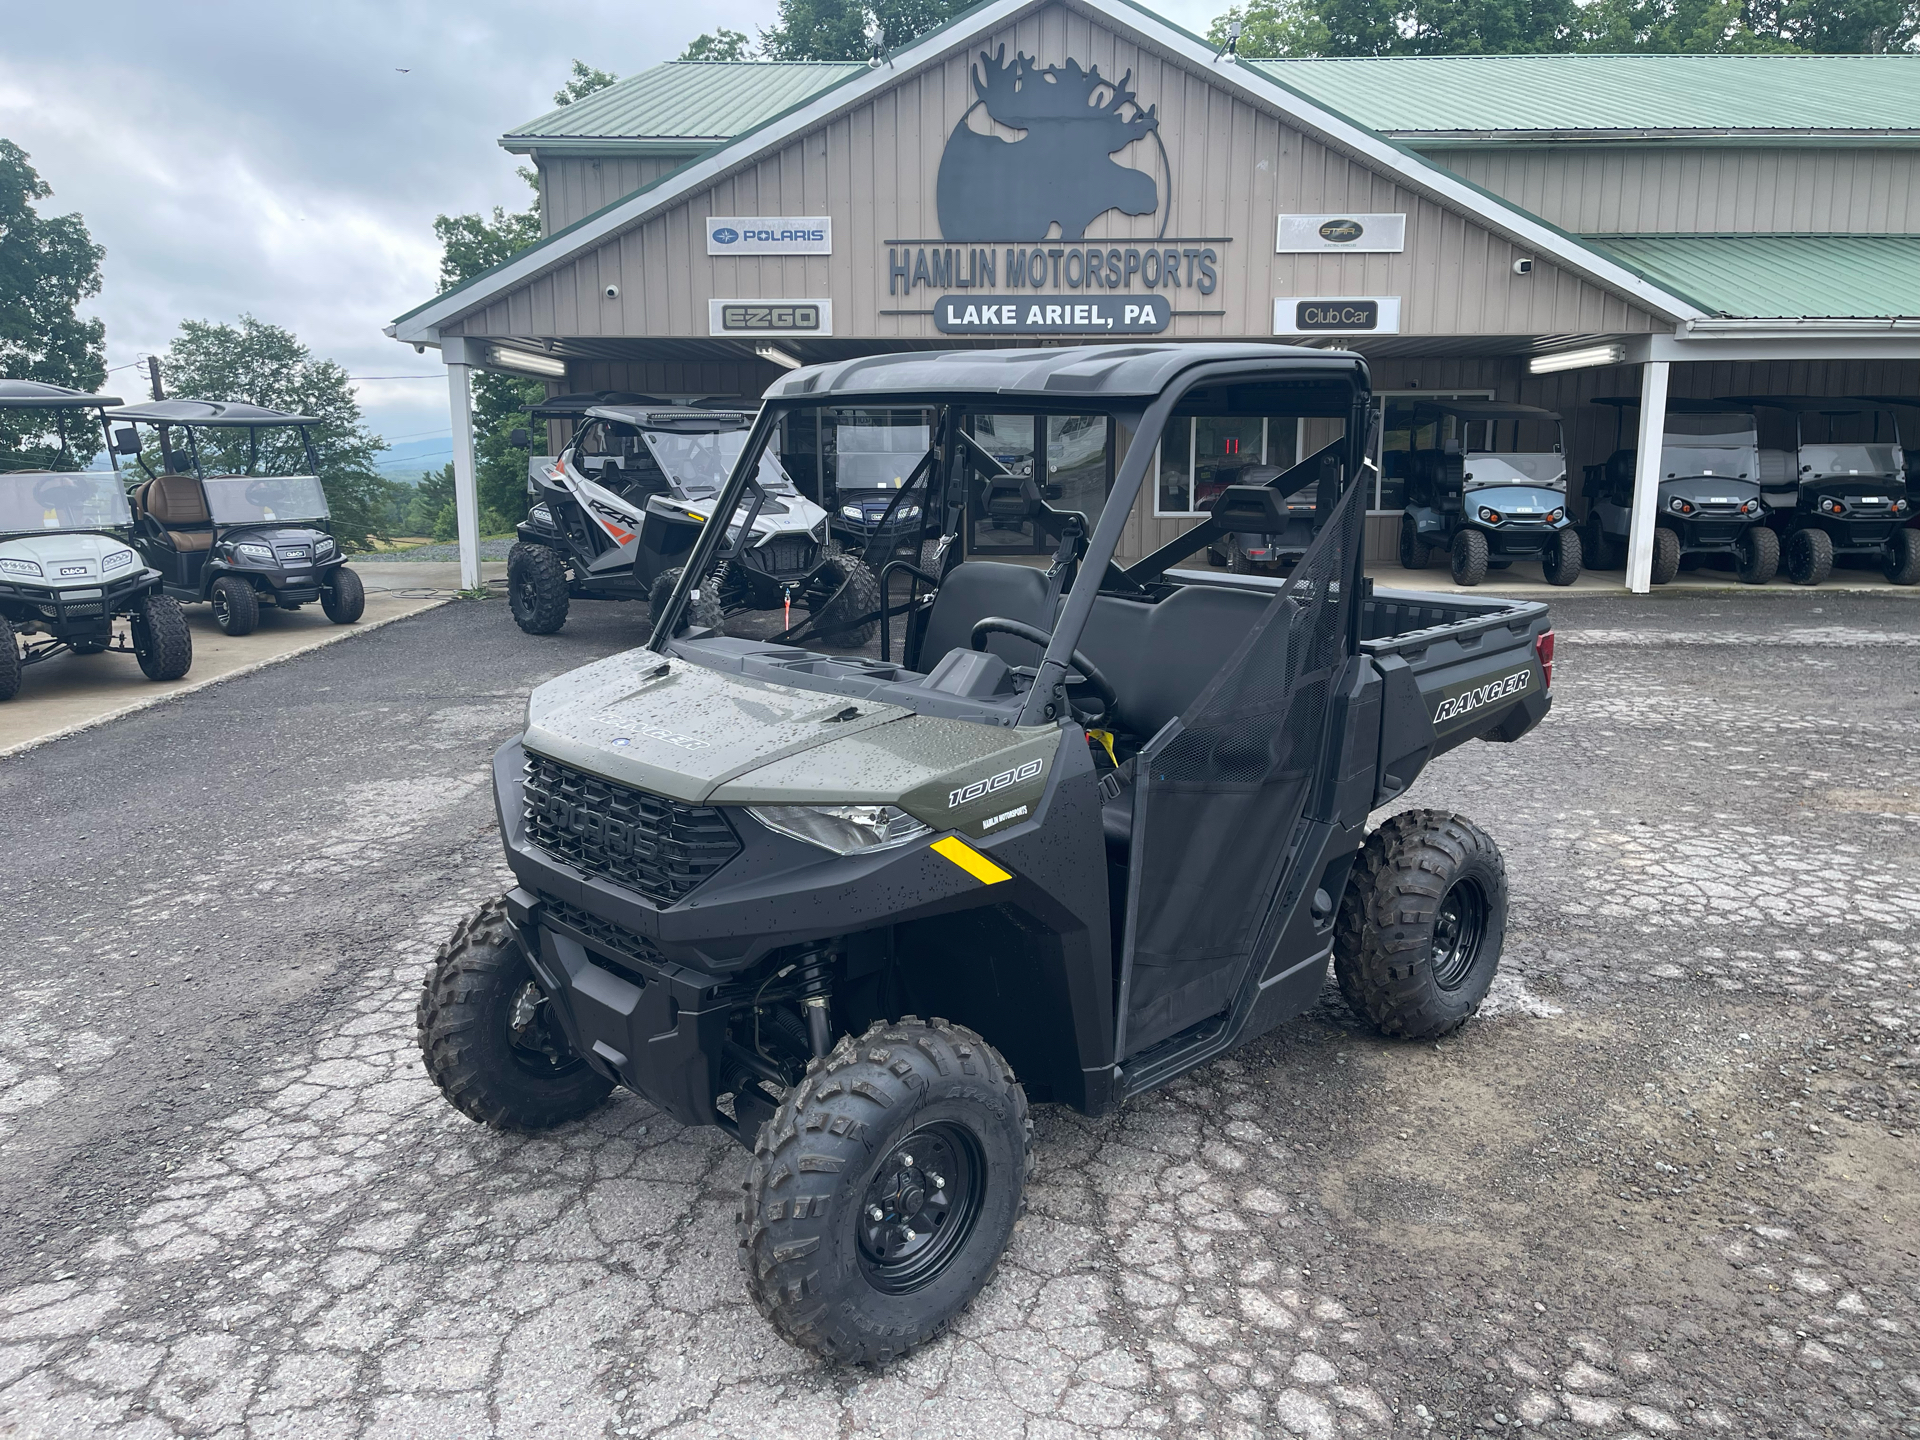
(1663, 1185)
(443, 551)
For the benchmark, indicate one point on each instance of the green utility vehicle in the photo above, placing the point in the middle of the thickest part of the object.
(1097, 824)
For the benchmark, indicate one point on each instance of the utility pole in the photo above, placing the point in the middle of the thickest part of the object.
(153, 374)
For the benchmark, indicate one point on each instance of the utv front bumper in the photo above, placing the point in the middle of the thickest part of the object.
(643, 987)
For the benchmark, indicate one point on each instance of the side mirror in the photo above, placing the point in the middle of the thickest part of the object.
(126, 441)
(517, 437)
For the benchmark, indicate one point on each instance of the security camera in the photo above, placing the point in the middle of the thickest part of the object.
(419, 349)
(1523, 266)
(612, 292)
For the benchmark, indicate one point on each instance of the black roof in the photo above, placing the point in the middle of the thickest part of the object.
(1815, 404)
(673, 417)
(207, 412)
(1678, 404)
(35, 395)
(1043, 375)
(571, 407)
(1487, 410)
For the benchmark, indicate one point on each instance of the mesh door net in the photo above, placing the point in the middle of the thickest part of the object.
(1220, 793)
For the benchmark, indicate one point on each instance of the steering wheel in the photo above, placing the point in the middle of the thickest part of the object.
(54, 491)
(1102, 687)
(260, 492)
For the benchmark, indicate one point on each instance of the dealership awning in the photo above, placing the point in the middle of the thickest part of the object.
(1795, 276)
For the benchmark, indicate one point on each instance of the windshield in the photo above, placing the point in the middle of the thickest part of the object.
(68, 500)
(877, 456)
(1851, 459)
(252, 500)
(1734, 461)
(699, 462)
(1713, 431)
(1528, 468)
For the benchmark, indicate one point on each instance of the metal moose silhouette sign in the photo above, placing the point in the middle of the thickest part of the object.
(1061, 171)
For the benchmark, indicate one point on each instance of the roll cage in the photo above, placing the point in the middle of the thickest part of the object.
(1138, 388)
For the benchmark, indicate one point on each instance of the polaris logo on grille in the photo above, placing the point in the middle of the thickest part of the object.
(1467, 701)
(614, 838)
(969, 793)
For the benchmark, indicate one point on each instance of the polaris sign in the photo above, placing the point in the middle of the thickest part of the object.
(769, 235)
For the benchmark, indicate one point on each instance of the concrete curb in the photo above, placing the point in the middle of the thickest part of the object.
(347, 632)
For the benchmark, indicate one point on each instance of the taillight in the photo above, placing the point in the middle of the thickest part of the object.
(1543, 647)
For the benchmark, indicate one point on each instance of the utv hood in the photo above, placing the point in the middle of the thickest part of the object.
(660, 724)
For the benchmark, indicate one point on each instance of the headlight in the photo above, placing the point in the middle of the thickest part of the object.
(851, 512)
(19, 567)
(1492, 517)
(1557, 516)
(323, 546)
(907, 512)
(255, 552)
(118, 560)
(843, 829)
(1832, 507)
(541, 515)
(1749, 507)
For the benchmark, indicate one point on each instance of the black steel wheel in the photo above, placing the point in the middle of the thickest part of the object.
(1421, 924)
(1469, 556)
(1809, 556)
(343, 597)
(1415, 553)
(921, 1207)
(844, 599)
(704, 608)
(1560, 562)
(236, 608)
(162, 643)
(1666, 555)
(537, 588)
(1756, 555)
(10, 666)
(884, 1190)
(489, 1037)
(1900, 561)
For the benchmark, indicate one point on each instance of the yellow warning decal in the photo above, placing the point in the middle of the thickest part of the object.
(971, 860)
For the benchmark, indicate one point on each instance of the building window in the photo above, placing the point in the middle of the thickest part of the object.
(1399, 436)
(1199, 456)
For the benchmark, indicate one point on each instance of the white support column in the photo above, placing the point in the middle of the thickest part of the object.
(459, 357)
(1646, 475)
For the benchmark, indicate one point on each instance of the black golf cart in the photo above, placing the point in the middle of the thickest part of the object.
(66, 570)
(1108, 821)
(1708, 505)
(219, 530)
(1845, 488)
(616, 515)
(1307, 492)
(1483, 505)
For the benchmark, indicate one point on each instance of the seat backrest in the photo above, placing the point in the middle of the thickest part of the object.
(176, 501)
(976, 589)
(1160, 657)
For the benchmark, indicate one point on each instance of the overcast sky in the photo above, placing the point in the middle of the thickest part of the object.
(287, 160)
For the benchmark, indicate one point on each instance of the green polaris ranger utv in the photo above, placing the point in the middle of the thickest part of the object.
(1098, 823)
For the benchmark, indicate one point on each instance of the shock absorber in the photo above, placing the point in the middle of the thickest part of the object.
(816, 983)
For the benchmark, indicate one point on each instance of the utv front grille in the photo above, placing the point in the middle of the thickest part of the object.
(786, 559)
(616, 940)
(661, 848)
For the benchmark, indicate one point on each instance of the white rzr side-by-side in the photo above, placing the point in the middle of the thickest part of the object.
(66, 570)
(615, 516)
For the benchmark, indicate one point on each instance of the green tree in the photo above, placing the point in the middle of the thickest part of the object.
(471, 244)
(48, 265)
(586, 80)
(837, 29)
(721, 44)
(263, 364)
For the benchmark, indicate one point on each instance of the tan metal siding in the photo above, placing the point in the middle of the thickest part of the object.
(1233, 167)
(1609, 190)
(573, 187)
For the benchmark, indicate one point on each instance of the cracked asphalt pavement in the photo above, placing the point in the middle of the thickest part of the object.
(1662, 1186)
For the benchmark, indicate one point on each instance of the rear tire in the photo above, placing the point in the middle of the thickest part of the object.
(1469, 556)
(822, 1268)
(1756, 555)
(488, 1036)
(1809, 556)
(839, 618)
(1560, 561)
(1900, 562)
(343, 597)
(162, 643)
(10, 666)
(236, 608)
(704, 610)
(537, 588)
(1666, 555)
(1237, 561)
(1415, 553)
(1421, 924)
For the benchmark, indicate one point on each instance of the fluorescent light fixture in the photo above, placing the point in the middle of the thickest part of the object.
(1577, 359)
(525, 362)
(778, 356)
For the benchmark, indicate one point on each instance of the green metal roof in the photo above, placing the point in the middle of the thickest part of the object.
(1821, 277)
(1476, 94)
(695, 101)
